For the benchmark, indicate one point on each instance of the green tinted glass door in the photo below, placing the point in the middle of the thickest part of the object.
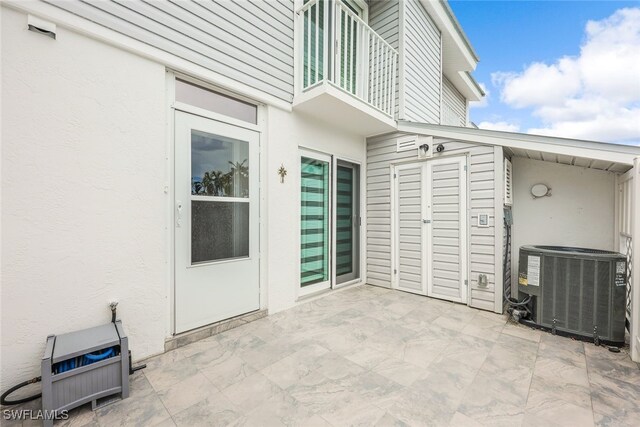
(314, 223)
(347, 222)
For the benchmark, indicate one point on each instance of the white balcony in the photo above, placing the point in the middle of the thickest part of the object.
(345, 72)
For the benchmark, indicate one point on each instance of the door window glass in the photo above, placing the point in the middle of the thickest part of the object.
(219, 197)
(219, 230)
(213, 101)
(346, 220)
(314, 221)
(219, 166)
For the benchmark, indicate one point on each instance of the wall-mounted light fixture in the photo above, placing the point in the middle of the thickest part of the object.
(540, 190)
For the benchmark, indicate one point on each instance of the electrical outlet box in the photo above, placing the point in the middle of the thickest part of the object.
(483, 220)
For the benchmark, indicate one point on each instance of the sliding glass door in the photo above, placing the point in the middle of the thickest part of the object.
(347, 219)
(329, 222)
(315, 222)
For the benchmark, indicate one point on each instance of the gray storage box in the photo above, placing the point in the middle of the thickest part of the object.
(70, 380)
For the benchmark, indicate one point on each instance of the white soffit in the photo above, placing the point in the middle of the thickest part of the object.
(459, 52)
(592, 154)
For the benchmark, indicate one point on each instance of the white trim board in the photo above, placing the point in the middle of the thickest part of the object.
(571, 147)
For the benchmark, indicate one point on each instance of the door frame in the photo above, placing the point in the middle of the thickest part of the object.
(426, 201)
(464, 229)
(334, 197)
(395, 227)
(172, 106)
(327, 284)
(254, 239)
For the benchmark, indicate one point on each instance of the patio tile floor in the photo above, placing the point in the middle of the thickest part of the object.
(375, 357)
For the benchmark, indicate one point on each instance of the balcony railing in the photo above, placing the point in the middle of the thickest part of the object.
(353, 57)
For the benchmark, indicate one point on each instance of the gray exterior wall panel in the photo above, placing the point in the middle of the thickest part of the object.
(454, 108)
(250, 42)
(422, 69)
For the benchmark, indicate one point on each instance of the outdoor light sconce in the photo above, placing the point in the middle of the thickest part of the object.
(440, 148)
(282, 172)
(540, 190)
(424, 148)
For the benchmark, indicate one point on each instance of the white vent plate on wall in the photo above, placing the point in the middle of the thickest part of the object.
(508, 184)
(406, 143)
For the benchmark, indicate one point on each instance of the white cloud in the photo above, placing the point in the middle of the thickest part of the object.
(502, 126)
(595, 95)
(485, 100)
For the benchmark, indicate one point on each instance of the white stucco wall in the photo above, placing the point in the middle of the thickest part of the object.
(85, 211)
(580, 211)
(83, 202)
(286, 133)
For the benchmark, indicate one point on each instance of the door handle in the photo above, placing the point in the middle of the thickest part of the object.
(178, 213)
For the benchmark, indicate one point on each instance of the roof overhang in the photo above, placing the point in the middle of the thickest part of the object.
(454, 40)
(467, 85)
(623, 155)
(459, 58)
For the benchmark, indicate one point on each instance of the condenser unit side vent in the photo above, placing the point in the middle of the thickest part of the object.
(508, 183)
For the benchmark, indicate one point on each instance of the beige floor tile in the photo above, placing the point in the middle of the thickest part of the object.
(251, 391)
(422, 350)
(560, 372)
(399, 371)
(279, 410)
(461, 420)
(366, 357)
(357, 413)
(144, 410)
(296, 366)
(549, 387)
(227, 371)
(466, 350)
(163, 377)
(564, 349)
(335, 367)
(554, 412)
(521, 331)
(216, 411)
(186, 392)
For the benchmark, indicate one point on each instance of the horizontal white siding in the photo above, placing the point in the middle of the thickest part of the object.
(381, 153)
(250, 41)
(422, 68)
(446, 233)
(384, 19)
(410, 229)
(454, 105)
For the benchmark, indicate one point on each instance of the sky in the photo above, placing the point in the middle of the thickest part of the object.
(562, 68)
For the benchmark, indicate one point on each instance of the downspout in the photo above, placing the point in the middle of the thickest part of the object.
(635, 273)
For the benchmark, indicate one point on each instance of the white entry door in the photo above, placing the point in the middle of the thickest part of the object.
(431, 228)
(216, 221)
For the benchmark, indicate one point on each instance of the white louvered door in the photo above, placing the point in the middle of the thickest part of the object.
(410, 234)
(430, 233)
(447, 231)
